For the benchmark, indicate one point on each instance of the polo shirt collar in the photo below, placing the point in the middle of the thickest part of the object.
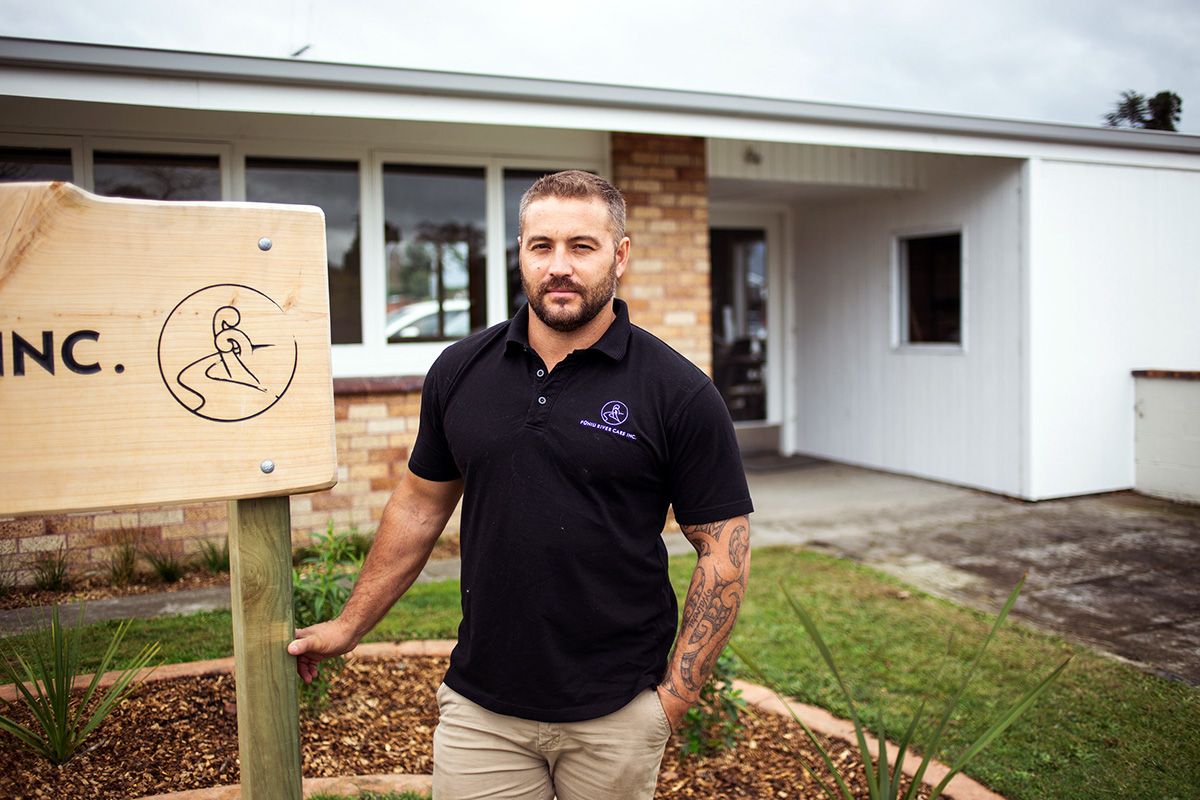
(614, 343)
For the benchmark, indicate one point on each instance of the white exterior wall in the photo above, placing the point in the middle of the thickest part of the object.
(1114, 267)
(955, 416)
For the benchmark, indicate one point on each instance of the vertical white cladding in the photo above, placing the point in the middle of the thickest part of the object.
(1114, 286)
(948, 416)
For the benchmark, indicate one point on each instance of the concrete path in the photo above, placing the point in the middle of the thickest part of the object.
(1118, 571)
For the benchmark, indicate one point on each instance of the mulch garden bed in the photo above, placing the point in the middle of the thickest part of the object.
(182, 734)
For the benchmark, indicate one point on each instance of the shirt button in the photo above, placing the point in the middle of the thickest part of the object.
(541, 373)
(541, 401)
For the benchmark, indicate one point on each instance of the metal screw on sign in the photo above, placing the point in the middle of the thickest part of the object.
(267, 466)
(264, 244)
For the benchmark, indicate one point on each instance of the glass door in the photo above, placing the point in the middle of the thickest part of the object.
(739, 319)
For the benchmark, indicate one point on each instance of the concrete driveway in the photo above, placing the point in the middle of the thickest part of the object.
(1118, 571)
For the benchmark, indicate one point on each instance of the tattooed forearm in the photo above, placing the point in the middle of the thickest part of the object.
(712, 604)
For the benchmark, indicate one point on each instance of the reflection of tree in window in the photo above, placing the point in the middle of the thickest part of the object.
(434, 234)
(34, 164)
(157, 177)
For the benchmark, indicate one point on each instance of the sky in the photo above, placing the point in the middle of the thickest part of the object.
(1048, 60)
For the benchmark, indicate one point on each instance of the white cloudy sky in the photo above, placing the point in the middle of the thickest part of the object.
(1056, 60)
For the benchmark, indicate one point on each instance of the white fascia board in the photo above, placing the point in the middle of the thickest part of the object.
(209, 94)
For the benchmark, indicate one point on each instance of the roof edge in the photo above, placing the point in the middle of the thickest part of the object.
(118, 59)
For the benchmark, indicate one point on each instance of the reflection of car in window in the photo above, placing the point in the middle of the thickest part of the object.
(420, 320)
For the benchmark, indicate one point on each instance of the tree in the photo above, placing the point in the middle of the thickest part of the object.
(1165, 108)
(1133, 110)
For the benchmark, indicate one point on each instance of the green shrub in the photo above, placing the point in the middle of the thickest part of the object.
(712, 723)
(43, 681)
(215, 557)
(122, 558)
(884, 783)
(51, 571)
(167, 563)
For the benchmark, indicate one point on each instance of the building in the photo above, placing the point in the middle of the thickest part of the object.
(956, 298)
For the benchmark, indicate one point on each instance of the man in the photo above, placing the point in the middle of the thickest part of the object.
(571, 431)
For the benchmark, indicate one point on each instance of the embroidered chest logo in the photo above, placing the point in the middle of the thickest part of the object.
(612, 414)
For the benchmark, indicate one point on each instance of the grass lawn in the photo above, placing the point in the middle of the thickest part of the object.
(1104, 730)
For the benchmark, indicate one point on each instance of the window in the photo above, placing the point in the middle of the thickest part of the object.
(35, 164)
(333, 186)
(157, 177)
(516, 181)
(434, 232)
(930, 273)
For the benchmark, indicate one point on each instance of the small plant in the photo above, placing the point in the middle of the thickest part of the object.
(167, 563)
(44, 680)
(8, 576)
(712, 724)
(882, 783)
(50, 571)
(215, 557)
(321, 586)
(122, 558)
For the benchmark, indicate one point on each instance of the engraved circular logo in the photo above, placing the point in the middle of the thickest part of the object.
(614, 412)
(227, 353)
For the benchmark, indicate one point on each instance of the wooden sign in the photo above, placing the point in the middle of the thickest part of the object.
(157, 352)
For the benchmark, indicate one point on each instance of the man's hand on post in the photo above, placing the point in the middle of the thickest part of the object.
(316, 643)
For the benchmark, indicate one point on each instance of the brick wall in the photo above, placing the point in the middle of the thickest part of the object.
(664, 180)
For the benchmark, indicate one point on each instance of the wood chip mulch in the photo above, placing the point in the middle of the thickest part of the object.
(182, 734)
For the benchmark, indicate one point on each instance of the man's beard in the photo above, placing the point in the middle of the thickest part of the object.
(595, 299)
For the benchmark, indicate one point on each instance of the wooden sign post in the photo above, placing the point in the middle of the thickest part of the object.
(158, 353)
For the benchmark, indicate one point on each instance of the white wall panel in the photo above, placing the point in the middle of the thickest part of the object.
(815, 164)
(1115, 286)
(949, 416)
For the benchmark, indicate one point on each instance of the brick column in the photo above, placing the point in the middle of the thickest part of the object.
(667, 287)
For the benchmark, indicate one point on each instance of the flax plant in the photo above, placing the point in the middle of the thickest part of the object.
(883, 783)
(44, 681)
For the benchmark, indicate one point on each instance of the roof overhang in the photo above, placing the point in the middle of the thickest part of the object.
(621, 106)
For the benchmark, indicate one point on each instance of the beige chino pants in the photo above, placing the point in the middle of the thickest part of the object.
(480, 754)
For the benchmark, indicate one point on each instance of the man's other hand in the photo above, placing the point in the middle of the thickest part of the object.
(316, 643)
(674, 707)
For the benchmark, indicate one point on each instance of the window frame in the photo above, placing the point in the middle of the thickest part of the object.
(899, 291)
(374, 356)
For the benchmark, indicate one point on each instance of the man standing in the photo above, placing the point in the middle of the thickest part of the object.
(568, 432)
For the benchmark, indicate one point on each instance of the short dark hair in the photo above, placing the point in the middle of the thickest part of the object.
(575, 184)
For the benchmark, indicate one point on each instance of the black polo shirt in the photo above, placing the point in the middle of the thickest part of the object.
(568, 612)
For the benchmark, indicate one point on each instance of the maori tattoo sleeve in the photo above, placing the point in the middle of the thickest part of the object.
(713, 599)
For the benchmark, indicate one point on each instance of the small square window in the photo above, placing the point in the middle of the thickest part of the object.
(931, 289)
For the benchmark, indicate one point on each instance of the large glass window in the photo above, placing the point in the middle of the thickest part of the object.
(434, 232)
(931, 285)
(516, 181)
(333, 186)
(35, 164)
(157, 177)
(739, 319)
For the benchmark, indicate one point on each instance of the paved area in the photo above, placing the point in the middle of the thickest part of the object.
(1117, 571)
